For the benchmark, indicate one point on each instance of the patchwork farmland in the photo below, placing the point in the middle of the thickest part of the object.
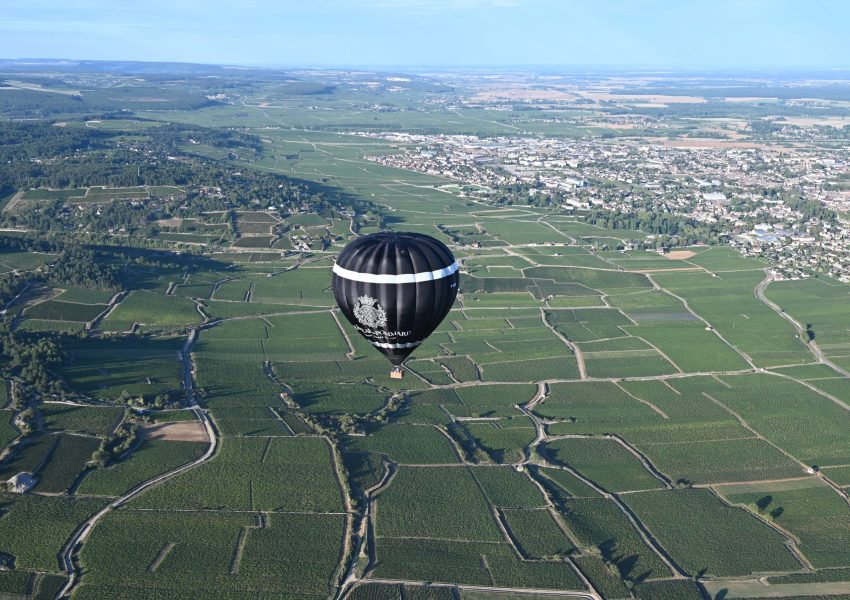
(585, 423)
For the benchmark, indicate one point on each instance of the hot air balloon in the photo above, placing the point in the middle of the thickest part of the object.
(395, 289)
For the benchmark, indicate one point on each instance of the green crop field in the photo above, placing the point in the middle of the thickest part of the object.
(594, 407)
(808, 425)
(7, 432)
(537, 533)
(23, 261)
(603, 461)
(564, 483)
(689, 345)
(821, 306)
(711, 461)
(34, 528)
(104, 368)
(488, 400)
(85, 295)
(47, 194)
(507, 487)
(190, 554)
(155, 311)
(308, 286)
(604, 579)
(101, 194)
(599, 524)
(152, 458)
(262, 463)
(409, 444)
(728, 303)
(54, 310)
(28, 456)
(705, 535)
(462, 562)
(91, 420)
(448, 504)
(66, 461)
(803, 512)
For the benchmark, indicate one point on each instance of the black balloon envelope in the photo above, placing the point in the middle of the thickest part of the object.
(395, 289)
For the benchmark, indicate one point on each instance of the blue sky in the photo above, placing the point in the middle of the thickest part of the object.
(660, 33)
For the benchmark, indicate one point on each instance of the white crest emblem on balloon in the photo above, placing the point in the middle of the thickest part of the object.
(369, 312)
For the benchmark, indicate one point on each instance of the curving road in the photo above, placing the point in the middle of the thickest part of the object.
(73, 545)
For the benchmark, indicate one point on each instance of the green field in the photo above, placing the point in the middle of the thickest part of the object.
(7, 431)
(728, 304)
(803, 512)
(55, 310)
(152, 458)
(537, 533)
(192, 555)
(34, 528)
(66, 460)
(104, 368)
(408, 444)
(706, 536)
(604, 461)
(152, 311)
(448, 502)
(91, 420)
(262, 463)
(599, 524)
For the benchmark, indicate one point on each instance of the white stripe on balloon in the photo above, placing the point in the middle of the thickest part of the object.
(405, 278)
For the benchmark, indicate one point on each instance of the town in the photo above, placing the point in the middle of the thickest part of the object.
(762, 199)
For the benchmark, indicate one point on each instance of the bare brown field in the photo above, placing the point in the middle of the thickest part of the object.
(749, 99)
(679, 254)
(648, 98)
(520, 93)
(837, 122)
(183, 431)
(615, 125)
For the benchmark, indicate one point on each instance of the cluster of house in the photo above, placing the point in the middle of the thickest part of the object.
(749, 189)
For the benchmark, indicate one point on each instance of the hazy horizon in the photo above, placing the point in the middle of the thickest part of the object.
(658, 34)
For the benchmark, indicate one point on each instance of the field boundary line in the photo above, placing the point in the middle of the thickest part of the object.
(642, 401)
(161, 556)
(239, 548)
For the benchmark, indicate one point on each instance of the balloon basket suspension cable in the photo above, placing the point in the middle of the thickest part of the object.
(397, 373)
